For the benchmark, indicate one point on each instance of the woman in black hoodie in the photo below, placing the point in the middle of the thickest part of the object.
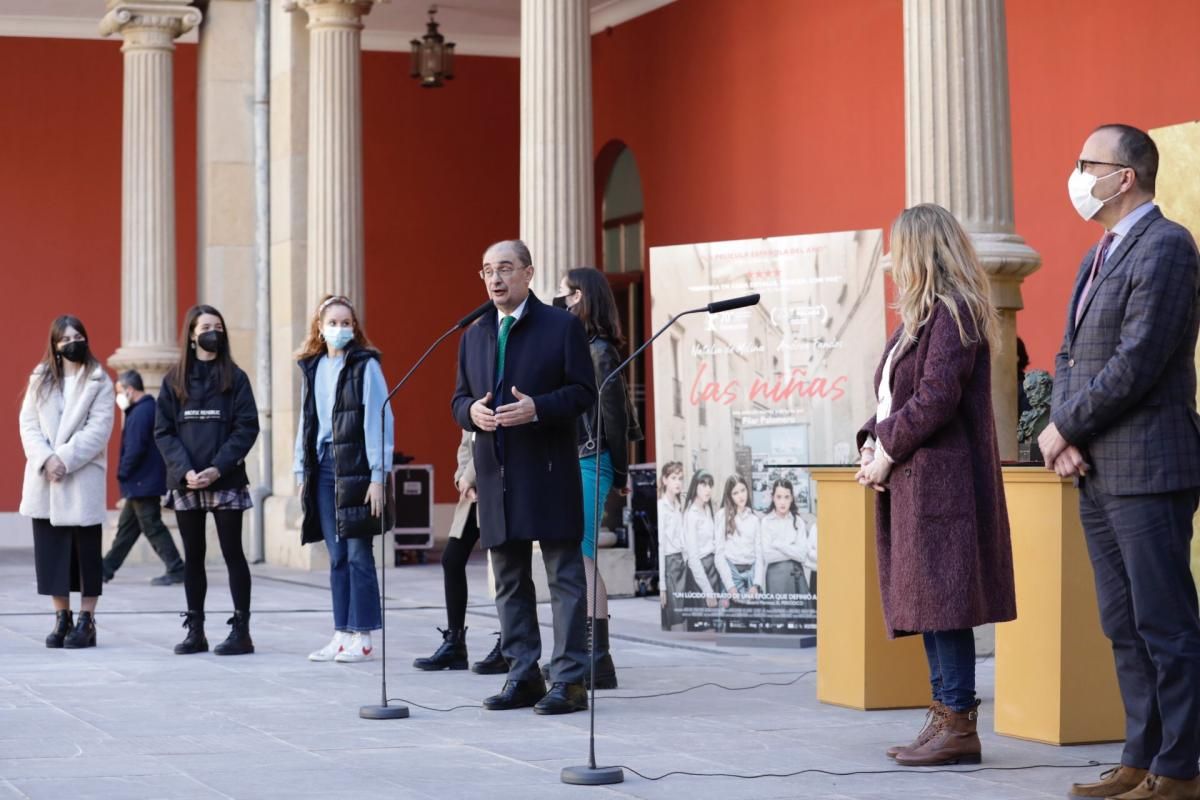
(207, 422)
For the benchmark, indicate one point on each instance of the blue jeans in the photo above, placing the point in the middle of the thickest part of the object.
(587, 468)
(951, 657)
(352, 577)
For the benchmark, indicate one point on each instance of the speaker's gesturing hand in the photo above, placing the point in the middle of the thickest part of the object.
(521, 412)
(482, 416)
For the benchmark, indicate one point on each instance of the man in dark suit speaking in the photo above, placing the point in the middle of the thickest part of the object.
(524, 378)
(1124, 421)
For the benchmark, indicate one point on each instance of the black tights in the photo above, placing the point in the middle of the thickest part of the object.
(229, 533)
(454, 572)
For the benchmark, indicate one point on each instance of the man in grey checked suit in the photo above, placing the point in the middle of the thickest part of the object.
(1124, 421)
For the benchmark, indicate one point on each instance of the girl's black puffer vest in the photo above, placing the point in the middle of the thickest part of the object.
(349, 450)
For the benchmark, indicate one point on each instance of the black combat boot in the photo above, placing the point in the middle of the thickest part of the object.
(83, 634)
(194, 642)
(494, 664)
(238, 642)
(606, 670)
(63, 622)
(451, 653)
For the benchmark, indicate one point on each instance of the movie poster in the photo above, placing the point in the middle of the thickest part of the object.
(745, 402)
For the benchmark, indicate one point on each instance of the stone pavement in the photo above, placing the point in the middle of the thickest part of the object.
(129, 719)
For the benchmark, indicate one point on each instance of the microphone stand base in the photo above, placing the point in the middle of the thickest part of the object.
(383, 712)
(592, 776)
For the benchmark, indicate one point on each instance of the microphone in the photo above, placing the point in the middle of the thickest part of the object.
(589, 774)
(735, 302)
(474, 315)
(383, 710)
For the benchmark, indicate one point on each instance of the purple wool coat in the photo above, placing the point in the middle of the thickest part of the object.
(941, 529)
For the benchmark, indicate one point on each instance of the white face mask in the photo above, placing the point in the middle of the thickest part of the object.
(1079, 187)
(338, 337)
(123, 401)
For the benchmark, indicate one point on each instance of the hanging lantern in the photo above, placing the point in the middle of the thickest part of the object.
(432, 56)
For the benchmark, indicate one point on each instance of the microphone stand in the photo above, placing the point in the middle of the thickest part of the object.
(383, 710)
(590, 774)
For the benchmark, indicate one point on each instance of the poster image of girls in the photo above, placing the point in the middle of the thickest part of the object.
(672, 551)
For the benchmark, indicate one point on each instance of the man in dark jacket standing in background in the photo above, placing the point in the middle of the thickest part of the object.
(524, 377)
(143, 481)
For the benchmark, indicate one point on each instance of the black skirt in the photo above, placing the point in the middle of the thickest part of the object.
(67, 559)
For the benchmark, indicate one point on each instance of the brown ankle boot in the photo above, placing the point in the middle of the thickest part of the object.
(1113, 782)
(954, 742)
(933, 718)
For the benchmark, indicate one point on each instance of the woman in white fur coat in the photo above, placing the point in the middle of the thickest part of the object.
(66, 419)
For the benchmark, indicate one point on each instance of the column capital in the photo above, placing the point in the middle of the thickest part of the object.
(333, 13)
(161, 20)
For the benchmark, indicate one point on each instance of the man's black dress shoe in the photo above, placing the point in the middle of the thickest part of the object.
(517, 694)
(563, 698)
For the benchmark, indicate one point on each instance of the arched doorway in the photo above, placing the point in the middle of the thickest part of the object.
(621, 246)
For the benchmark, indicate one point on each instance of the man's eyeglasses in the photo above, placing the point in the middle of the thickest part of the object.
(1082, 164)
(504, 272)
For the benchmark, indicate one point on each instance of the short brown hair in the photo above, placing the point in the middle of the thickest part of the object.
(1136, 150)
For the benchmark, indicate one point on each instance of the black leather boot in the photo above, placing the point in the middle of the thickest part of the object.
(63, 622)
(83, 634)
(194, 642)
(451, 653)
(606, 670)
(494, 664)
(238, 642)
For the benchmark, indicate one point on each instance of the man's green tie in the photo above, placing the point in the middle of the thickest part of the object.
(502, 343)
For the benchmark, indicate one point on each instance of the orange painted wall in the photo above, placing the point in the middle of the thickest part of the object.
(441, 183)
(60, 200)
(764, 118)
(1071, 68)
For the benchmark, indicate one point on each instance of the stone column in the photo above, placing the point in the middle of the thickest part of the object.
(148, 325)
(335, 205)
(959, 155)
(225, 116)
(556, 138)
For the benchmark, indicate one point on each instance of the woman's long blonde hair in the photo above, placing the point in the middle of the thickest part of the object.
(933, 259)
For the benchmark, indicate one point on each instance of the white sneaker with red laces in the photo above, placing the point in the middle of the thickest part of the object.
(336, 645)
(357, 649)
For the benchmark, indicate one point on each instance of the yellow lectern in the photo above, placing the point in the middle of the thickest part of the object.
(857, 665)
(1055, 678)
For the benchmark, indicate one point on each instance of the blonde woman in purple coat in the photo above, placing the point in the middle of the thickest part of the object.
(945, 559)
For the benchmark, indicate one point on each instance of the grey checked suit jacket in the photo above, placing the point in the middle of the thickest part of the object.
(1125, 379)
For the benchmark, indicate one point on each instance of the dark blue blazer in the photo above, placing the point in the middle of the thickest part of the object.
(141, 472)
(527, 478)
(1125, 378)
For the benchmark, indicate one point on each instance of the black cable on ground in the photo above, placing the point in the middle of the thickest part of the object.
(406, 701)
(904, 771)
(792, 682)
(637, 696)
(797, 773)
